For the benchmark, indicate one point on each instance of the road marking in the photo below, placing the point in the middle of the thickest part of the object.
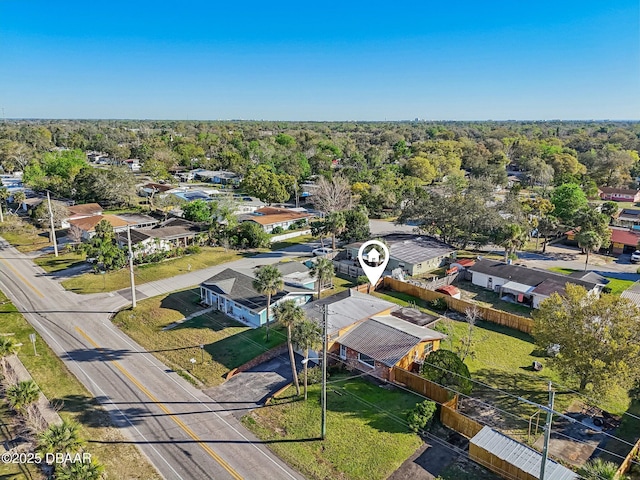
(162, 368)
(171, 415)
(19, 275)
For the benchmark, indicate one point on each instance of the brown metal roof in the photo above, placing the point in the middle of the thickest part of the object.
(86, 209)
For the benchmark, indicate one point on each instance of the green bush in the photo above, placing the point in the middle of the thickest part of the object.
(277, 230)
(420, 417)
(362, 279)
(192, 249)
(314, 375)
(439, 304)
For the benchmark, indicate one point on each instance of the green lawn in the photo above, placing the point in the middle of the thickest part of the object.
(290, 242)
(122, 459)
(404, 300)
(615, 285)
(96, 283)
(227, 344)
(367, 437)
(502, 360)
(23, 236)
(50, 263)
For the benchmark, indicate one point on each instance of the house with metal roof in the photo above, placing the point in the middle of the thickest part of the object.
(511, 459)
(381, 342)
(414, 254)
(525, 285)
(232, 293)
(271, 217)
(81, 229)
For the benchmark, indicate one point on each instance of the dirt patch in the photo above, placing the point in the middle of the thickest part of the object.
(426, 463)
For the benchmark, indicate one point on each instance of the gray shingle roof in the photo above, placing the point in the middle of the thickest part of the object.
(239, 288)
(519, 455)
(413, 249)
(526, 275)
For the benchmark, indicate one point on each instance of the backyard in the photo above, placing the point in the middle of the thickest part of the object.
(615, 286)
(227, 344)
(122, 459)
(367, 435)
(23, 236)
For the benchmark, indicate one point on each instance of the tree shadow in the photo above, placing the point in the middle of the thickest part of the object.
(186, 301)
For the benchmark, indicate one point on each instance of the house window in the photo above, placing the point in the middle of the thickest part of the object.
(343, 352)
(428, 348)
(366, 359)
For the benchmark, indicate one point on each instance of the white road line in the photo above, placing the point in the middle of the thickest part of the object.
(103, 393)
(162, 367)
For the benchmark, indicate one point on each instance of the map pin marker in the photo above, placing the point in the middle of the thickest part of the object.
(373, 273)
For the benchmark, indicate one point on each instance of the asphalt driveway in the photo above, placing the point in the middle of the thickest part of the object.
(250, 389)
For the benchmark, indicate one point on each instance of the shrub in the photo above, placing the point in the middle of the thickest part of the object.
(314, 375)
(362, 279)
(192, 249)
(439, 304)
(597, 469)
(420, 417)
(277, 230)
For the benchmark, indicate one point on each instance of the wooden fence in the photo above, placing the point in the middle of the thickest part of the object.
(421, 385)
(507, 319)
(459, 422)
(626, 464)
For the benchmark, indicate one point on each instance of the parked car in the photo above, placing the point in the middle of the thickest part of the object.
(635, 256)
(321, 252)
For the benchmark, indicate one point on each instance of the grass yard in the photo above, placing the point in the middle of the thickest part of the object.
(615, 285)
(290, 242)
(50, 263)
(340, 284)
(97, 283)
(367, 437)
(503, 359)
(404, 300)
(23, 236)
(122, 459)
(227, 344)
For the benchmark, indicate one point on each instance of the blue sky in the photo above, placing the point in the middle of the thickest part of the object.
(349, 60)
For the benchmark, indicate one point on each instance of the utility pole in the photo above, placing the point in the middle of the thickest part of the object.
(547, 432)
(325, 322)
(53, 227)
(131, 277)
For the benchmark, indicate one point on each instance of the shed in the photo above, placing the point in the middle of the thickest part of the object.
(511, 459)
(450, 290)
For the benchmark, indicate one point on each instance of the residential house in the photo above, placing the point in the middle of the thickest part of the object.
(243, 204)
(415, 255)
(232, 293)
(133, 164)
(381, 342)
(271, 217)
(524, 285)
(142, 243)
(622, 239)
(372, 334)
(178, 232)
(82, 229)
(223, 177)
(629, 218)
(150, 189)
(619, 194)
(81, 211)
(138, 220)
(297, 274)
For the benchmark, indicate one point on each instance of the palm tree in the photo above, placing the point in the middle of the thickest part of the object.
(289, 314)
(23, 394)
(590, 241)
(268, 282)
(19, 197)
(307, 335)
(335, 224)
(60, 438)
(511, 237)
(323, 271)
(7, 347)
(4, 195)
(81, 471)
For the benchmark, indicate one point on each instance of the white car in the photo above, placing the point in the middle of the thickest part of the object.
(635, 256)
(321, 252)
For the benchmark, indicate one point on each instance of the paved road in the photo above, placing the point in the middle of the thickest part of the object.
(184, 432)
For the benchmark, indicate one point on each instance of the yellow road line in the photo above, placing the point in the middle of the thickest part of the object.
(17, 273)
(171, 415)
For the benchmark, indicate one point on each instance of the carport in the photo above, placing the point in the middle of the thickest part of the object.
(517, 293)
